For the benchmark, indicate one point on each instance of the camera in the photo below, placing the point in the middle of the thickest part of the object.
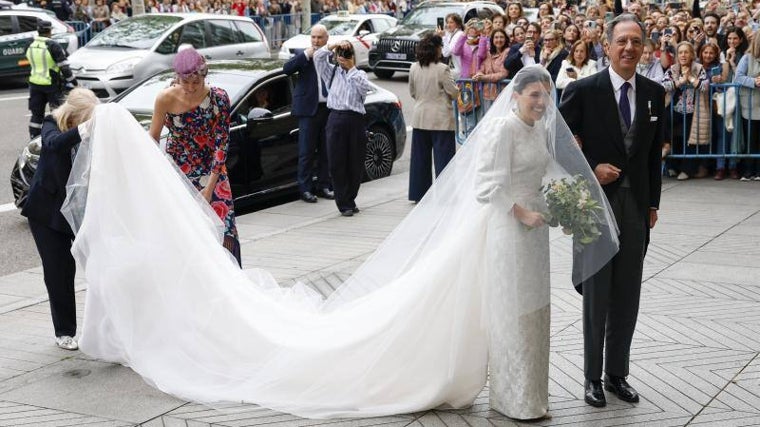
(344, 53)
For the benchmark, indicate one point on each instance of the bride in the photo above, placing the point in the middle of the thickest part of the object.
(461, 283)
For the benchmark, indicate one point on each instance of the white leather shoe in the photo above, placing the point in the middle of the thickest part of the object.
(67, 343)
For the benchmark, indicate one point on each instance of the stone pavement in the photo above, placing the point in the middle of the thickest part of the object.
(695, 357)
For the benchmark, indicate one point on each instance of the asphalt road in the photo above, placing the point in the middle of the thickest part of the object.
(17, 251)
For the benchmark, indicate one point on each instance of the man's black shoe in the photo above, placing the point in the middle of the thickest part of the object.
(326, 193)
(347, 212)
(620, 387)
(308, 197)
(594, 395)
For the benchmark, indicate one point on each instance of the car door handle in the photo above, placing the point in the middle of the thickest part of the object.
(240, 53)
(294, 131)
(207, 56)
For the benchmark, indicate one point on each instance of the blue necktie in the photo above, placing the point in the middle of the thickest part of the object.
(625, 106)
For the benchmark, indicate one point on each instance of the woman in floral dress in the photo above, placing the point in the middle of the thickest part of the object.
(198, 119)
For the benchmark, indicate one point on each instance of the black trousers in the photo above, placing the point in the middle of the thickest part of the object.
(58, 268)
(39, 97)
(346, 146)
(441, 144)
(611, 296)
(311, 147)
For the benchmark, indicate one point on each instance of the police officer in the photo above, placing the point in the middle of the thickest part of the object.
(50, 73)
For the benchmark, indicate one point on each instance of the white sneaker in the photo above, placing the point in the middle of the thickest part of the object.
(66, 342)
(745, 178)
(757, 178)
(682, 176)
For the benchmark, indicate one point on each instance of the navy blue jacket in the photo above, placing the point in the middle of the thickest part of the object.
(48, 188)
(305, 96)
(513, 62)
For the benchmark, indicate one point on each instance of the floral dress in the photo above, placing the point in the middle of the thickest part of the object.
(198, 144)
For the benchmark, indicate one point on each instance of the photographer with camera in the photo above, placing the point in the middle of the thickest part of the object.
(346, 128)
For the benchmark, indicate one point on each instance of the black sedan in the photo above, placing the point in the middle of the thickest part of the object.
(263, 149)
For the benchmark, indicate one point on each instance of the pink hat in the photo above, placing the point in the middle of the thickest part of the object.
(188, 62)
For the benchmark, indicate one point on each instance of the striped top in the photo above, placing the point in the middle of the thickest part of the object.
(348, 89)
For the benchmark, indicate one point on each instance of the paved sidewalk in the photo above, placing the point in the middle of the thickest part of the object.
(695, 358)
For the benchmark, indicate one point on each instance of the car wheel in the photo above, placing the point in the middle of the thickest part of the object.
(384, 74)
(378, 160)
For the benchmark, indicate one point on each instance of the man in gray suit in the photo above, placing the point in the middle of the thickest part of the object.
(614, 115)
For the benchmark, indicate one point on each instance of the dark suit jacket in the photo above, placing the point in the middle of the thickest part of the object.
(48, 188)
(555, 64)
(513, 63)
(305, 95)
(590, 110)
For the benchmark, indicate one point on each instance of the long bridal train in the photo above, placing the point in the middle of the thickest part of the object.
(165, 299)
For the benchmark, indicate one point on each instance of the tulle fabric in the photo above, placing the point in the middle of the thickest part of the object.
(407, 332)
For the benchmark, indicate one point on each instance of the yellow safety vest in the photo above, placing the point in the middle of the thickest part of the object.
(41, 62)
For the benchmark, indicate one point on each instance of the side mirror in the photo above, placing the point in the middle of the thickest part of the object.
(258, 114)
(363, 33)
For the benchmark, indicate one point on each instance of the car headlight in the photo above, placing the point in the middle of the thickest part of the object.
(31, 153)
(125, 66)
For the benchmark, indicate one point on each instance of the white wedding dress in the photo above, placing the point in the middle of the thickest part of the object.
(407, 332)
(512, 165)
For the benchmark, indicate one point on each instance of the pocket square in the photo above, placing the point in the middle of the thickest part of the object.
(653, 119)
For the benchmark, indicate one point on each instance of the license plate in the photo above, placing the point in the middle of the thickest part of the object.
(395, 55)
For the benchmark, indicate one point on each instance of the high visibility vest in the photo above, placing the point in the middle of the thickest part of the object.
(41, 62)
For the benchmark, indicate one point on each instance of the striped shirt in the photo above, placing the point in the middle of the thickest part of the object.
(348, 89)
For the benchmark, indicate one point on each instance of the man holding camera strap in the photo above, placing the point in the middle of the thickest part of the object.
(346, 127)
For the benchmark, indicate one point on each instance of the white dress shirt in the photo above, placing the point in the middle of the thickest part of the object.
(617, 84)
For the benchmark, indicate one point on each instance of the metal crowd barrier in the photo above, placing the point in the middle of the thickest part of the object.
(86, 31)
(721, 142)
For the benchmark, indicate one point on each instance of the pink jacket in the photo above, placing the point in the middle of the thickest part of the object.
(492, 67)
(468, 55)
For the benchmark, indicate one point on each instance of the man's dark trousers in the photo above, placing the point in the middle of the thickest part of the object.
(611, 296)
(39, 97)
(346, 146)
(311, 147)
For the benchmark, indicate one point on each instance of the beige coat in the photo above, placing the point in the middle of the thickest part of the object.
(433, 90)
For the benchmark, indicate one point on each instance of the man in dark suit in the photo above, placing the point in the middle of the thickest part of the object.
(310, 106)
(615, 116)
(527, 53)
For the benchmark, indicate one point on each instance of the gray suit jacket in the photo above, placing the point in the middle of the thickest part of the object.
(433, 90)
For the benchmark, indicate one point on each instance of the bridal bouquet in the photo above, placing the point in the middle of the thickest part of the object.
(572, 207)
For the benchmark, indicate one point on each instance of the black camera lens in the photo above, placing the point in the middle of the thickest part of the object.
(345, 53)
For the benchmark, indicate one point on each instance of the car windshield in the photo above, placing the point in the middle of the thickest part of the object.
(140, 32)
(428, 16)
(142, 98)
(337, 28)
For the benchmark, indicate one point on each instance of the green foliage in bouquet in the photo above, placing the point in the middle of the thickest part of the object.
(572, 207)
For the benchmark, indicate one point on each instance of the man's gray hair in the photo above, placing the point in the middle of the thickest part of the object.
(319, 28)
(624, 17)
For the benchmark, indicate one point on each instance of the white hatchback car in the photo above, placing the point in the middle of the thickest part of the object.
(135, 48)
(360, 30)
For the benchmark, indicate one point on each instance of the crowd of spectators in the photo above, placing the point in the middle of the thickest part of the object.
(106, 12)
(692, 53)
